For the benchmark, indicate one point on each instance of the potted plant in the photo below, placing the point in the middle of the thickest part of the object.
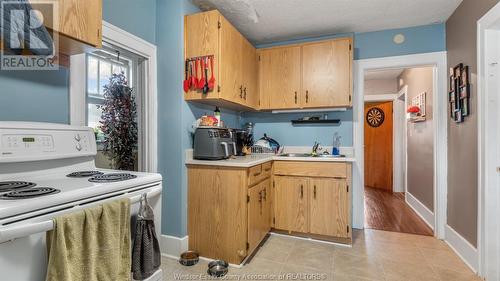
(413, 112)
(119, 122)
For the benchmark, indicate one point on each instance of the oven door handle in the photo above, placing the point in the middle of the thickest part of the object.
(9, 233)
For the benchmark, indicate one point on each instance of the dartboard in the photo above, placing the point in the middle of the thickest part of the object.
(375, 117)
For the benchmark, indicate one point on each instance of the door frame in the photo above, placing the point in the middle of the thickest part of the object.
(398, 137)
(127, 41)
(488, 245)
(440, 102)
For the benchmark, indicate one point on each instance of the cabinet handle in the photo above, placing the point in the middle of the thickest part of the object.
(264, 192)
(307, 96)
(241, 91)
(257, 174)
(260, 196)
(315, 192)
(245, 93)
(301, 191)
(295, 97)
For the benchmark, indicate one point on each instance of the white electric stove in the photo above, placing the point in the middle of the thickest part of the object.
(48, 170)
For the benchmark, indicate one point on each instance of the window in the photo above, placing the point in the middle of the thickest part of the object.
(100, 66)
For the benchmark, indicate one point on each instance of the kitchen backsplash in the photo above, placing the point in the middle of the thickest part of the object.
(279, 127)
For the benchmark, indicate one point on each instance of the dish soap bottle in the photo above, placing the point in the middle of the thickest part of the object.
(217, 115)
(336, 144)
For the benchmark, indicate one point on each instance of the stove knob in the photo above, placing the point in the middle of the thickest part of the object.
(78, 147)
(77, 137)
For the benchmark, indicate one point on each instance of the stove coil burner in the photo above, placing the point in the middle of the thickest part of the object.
(84, 174)
(29, 193)
(112, 177)
(13, 185)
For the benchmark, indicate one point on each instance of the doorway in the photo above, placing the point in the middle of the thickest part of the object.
(398, 168)
(489, 151)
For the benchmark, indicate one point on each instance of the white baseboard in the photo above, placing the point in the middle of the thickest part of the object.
(421, 210)
(172, 246)
(465, 250)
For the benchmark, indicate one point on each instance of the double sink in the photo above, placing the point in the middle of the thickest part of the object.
(310, 155)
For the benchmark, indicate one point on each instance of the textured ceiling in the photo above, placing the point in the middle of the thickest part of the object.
(383, 74)
(265, 21)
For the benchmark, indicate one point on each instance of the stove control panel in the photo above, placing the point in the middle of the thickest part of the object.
(35, 144)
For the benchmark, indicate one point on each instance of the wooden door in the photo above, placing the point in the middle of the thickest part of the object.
(231, 63)
(279, 77)
(329, 207)
(201, 37)
(291, 204)
(255, 214)
(250, 89)
(378, 145)
(327, 74)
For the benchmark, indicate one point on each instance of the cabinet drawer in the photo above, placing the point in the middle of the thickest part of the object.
(311, 169)
(266, 170)
(254, 175)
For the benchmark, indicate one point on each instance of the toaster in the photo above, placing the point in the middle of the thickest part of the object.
(213, 143)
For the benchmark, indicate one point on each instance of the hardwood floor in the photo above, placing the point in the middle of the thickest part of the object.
(389, 211)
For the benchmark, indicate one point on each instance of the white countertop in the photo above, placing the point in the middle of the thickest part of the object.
(256, 159)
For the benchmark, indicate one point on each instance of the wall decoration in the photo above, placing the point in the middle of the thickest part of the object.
(459, 94)
(375, 117)
(416, 109)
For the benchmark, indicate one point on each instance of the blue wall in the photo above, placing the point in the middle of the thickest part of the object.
(279, 127)
(377, 44)
(34, 96)
(420, 39)
(135, 16)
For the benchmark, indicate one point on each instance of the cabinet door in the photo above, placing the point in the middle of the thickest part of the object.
(266, 207)
(329, 205)
(201, 35)
(231, 61)
(81, 20)
(250, 89)
(255, 211)
(279, 78)
(326, 73)
(291, 204)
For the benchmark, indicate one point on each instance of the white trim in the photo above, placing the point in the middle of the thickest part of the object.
(172, 246)
(421, 210)
(77, 90)
(134, 44)
(462, 248)
(387, 97)
(488, 182)
(440, 101)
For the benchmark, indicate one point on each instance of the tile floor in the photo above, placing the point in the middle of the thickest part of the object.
(375, 255)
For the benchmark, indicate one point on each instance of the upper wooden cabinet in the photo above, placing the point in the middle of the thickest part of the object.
(235, 67)
(327, 74)
(79, 25)
(309, 75)
(279, 77)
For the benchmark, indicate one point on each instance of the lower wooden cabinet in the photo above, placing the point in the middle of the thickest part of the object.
(329, 207)
(258, 214)
(228, 210)
(315, 205)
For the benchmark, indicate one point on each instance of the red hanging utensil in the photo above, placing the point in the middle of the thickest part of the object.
(201, 82)
(194, 78)
(186, 77)
(211, 82)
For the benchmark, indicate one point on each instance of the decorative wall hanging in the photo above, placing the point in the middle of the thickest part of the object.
(459, 94)
(375, 117)
(416, 109)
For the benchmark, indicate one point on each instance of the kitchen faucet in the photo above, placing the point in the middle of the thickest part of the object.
(315, 148)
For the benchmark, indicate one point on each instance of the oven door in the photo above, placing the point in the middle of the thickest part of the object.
(25, 258)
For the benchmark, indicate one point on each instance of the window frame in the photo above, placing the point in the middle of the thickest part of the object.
(149, 121)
